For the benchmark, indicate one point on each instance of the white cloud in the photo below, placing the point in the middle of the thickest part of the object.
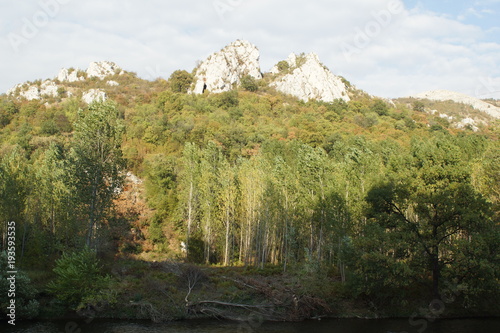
(407, 52)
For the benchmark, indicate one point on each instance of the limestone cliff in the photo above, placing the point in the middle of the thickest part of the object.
(306, 78)
(223, 70)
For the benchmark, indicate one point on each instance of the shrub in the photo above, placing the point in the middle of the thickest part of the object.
(225, 100)
(283, 66)
(380, 108)
(49, 127)
(79, 279)
(180, 81)
(418, 106)
(248, 83)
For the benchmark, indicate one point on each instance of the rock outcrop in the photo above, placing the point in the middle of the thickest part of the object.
(224, 69)
(307, 78)
(102, 69)
(94, 95)
(33, 91)
(69, 75)
(468, 123)
(49, 88)
(446, 95)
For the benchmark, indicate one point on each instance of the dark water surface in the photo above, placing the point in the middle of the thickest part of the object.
(213, 326)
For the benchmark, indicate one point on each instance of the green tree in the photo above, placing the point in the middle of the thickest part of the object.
(54, 193)
(418, 106)
(189, 194)
(227, 205)
(380, 107)
(434, 207)
(180, 81)
(248, 83)
(80, 280)
(96, 160)
(283, 66)
(211, 159)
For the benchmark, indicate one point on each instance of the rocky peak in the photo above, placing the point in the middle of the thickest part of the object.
(307, 78)
(102, 69)
(224, 69)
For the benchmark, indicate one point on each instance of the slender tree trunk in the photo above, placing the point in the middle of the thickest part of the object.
(435, 274)
(435, 265)
(228, 229)
(190, 216)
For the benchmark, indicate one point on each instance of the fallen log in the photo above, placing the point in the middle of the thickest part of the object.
(245, 306)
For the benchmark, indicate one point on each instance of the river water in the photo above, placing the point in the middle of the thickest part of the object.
(254, 326)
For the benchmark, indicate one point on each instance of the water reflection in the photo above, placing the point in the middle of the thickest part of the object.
(213, 326)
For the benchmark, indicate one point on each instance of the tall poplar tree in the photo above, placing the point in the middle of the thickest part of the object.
(96, 159)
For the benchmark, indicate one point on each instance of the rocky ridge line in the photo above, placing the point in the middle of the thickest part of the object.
(446, 95)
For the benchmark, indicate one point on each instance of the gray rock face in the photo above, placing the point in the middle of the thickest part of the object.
(446, 95)
(224, 69)
(102, 69)
(307, 78)
(33, 91)
(65, 75)
(94, 95)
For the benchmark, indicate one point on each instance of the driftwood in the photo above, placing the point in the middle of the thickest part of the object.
(245, 306)
(235, 311)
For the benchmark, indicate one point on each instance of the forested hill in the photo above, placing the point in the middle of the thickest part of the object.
(382, 198)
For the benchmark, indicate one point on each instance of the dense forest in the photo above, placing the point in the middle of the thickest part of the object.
(370, 204)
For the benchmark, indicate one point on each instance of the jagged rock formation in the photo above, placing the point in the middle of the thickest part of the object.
(446, 95)
(102, 69)
(307, 78)
(224, 69)
(94, 95)
(468, 123)
(69, 75)
(50, 88)
(33, 91)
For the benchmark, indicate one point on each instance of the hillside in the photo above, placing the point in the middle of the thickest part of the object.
(290, 190)
(445, 95)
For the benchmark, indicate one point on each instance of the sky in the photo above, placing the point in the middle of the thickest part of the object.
(389, 48)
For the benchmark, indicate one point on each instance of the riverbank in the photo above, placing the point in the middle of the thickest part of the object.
(220, 326)
(170, 291)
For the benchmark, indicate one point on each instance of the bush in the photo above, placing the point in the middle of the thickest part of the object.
(248, 83)
(283, 66)
(180, 81)
(380, 108)
(79, 279)
(49, 127)
(225, 100)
